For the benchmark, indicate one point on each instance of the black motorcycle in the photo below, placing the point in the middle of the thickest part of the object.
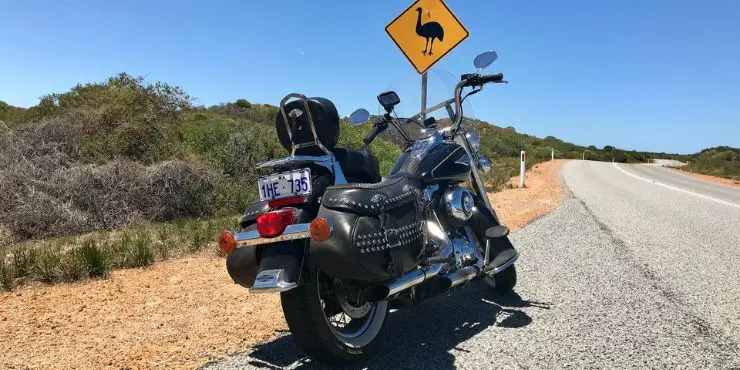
(344, 245)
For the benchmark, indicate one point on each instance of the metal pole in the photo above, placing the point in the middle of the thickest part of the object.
(423, 96)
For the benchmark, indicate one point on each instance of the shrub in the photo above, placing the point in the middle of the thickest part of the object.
(198, 237)
(140, 252)
(24, 260)
(94, 257)
(49, 260)
(6, 271)
(72, 266)
(164, 235)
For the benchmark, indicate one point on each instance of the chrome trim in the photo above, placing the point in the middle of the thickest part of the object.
(271, 281)
(292, 232)
(415, 277)
(463, 275)
(459, 204)
(418, 276)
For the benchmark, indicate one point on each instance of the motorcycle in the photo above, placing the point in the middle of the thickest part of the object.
(343, 245)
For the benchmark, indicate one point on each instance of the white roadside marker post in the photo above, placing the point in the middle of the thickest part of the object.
(522, 168)
(552, 154)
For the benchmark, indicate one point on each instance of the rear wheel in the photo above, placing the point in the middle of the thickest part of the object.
(503, 282)
(331, 321)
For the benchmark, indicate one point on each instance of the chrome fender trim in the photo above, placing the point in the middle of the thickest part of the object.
(271, 281)
(292, 232)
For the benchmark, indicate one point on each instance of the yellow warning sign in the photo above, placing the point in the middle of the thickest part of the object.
(426, 32)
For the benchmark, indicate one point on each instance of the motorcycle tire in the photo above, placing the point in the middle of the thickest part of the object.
(503, 282)
(304, 311)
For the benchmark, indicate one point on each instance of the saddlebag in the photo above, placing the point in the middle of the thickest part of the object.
(376, 229)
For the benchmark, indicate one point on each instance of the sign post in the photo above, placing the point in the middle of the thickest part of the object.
(425, 32)
(522, 169)
(423, 96)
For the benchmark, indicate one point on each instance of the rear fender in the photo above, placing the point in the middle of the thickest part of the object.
(270, 267)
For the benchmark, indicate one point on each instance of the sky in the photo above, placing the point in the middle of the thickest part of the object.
(636, 74)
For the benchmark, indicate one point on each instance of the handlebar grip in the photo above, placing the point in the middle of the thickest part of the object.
(474, 79)
(372, 134)
(496, 77)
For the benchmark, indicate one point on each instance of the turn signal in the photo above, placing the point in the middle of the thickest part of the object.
(272, 224)
(226, 242)
(320, 229)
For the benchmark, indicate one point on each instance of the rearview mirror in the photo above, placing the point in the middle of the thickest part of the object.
(486, 59)
(359, 116)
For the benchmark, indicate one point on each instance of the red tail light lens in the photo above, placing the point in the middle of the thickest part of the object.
(286, 201)
(272, 224)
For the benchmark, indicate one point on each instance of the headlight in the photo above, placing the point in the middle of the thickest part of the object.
(483, 163)
(474, 140)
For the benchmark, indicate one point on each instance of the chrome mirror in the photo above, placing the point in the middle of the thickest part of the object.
(359, 116)
(484, 60)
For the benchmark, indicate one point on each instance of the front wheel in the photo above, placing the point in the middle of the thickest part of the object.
(331, 321)
(504, 281)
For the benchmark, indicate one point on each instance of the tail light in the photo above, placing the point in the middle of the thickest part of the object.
(272, 224)
(226, 242)
(286, 202)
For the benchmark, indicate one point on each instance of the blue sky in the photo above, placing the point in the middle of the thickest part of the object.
(647, 75)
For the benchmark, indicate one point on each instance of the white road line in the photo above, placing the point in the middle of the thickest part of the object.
(678, 189)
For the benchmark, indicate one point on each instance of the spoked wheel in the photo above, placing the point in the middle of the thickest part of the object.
(331, 321)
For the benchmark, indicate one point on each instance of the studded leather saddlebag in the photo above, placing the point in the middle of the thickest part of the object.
(376, 229)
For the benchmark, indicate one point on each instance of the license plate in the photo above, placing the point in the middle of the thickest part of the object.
(284, 185)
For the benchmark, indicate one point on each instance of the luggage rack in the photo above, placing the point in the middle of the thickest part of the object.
(294, 117)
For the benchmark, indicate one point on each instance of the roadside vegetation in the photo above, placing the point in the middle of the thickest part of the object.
(721, 161)
(123, 173)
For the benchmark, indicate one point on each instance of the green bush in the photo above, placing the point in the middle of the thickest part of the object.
(94, 257)
(72, 266)
(6, 272)
(140, 252)
(24, 260)
(49, 260)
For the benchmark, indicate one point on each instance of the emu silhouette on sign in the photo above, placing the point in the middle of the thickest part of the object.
(429, 30)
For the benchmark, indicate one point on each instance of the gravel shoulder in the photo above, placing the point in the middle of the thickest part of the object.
(183, 313)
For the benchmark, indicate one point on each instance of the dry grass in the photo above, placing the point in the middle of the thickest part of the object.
(95, 255)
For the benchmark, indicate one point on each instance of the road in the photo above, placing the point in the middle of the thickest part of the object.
(639, 268)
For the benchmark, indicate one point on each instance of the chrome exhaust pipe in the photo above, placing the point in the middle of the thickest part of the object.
(415, 278)
(462, 275)
(379, 292)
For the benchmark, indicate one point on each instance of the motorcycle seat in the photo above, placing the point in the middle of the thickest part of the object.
(357, 165)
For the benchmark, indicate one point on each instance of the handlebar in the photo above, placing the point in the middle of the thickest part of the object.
(378, 127)
(474, 79)
(470, 80)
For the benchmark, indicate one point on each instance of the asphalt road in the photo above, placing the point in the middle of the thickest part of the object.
(639, 268)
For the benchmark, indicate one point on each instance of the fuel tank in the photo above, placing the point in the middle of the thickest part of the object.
(442, 162)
